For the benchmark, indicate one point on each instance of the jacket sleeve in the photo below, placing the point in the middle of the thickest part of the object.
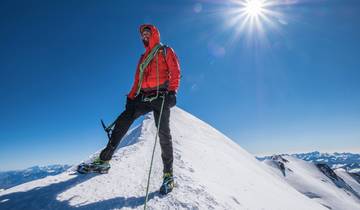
(174, 69)
(133, 90)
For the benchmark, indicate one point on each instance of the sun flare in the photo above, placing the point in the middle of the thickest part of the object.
(253, 20)
(254, 7)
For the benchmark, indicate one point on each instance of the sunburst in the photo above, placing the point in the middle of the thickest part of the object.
(254, 8)
(252, 18)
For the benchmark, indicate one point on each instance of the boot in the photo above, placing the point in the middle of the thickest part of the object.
(168, 184)
(98, 165)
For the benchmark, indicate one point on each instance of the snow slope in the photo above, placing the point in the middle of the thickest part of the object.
(348, 179)
(211, 172)
(329, 190)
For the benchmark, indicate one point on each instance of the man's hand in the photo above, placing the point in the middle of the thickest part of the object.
(171, 98)
(171, 92)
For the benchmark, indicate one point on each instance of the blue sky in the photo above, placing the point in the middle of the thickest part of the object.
(294, 85)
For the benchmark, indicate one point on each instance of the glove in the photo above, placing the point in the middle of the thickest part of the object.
(171, 99)
(171, 92)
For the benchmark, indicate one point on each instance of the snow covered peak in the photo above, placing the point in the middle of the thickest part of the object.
(334, 189)
(211, 172)
(348, 161)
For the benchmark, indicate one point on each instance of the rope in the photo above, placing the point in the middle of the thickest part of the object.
(142, 67)
(157, 82)
(144, 64)
(153, 152)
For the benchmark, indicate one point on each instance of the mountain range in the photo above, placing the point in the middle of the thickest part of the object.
(211, 172)
(345, 160)
(12, 178)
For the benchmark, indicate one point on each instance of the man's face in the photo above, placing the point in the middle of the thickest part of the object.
(145, 35)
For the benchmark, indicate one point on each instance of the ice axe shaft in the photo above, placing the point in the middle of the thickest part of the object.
(107, 129)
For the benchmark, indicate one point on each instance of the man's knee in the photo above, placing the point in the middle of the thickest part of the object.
(164, 135)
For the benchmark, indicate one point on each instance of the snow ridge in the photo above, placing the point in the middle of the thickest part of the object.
(211, 172)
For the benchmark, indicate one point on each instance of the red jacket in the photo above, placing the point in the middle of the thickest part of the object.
(168, 67)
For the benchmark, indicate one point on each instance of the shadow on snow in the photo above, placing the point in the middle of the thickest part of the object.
(45, 198)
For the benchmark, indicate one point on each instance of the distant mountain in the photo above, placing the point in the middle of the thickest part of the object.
(9, 179)
(348, 161)
(334, 189)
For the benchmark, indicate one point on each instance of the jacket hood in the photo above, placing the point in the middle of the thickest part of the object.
(155, 35)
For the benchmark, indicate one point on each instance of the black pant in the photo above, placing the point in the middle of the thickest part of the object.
(136, 108)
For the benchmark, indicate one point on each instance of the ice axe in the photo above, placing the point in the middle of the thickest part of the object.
(107, 129)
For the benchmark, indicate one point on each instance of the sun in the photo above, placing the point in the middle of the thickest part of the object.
(252, 20)
(254, 8)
